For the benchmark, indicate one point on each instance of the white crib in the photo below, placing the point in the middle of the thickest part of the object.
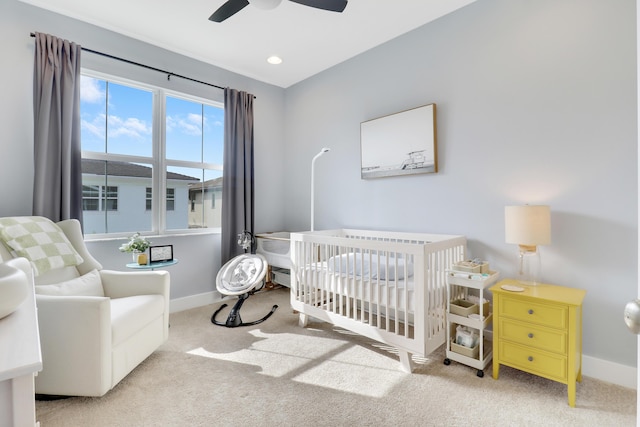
(388, 286)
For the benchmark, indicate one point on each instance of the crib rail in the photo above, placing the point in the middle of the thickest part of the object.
(388, 286)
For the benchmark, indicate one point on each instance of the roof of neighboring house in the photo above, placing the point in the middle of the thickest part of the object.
(209, 184)
(96, 167)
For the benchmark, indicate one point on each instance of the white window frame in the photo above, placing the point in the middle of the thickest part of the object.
(158, 159)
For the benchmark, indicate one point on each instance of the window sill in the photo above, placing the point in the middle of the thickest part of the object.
(106, 238)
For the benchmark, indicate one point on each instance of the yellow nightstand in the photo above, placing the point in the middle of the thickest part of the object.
(539, 330)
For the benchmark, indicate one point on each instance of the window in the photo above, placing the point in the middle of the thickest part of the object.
(99, 198)
(148, 199)
(111, 197)
(170, 199)
(127, 186)
(90, 197)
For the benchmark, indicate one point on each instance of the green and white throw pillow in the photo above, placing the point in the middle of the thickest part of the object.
(39, 240)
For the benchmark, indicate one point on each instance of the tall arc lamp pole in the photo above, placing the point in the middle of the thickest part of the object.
(313, 163)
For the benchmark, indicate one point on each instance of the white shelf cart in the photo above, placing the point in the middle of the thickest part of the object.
(458, 286)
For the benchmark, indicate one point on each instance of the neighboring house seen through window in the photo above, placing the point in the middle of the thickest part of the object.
(127, 186)
(170, 199)
(99, 198)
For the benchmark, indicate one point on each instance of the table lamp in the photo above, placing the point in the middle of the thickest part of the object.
(528, 226)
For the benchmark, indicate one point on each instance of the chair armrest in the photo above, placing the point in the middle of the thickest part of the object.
(119, 284)
(75, 335)
(24, 265)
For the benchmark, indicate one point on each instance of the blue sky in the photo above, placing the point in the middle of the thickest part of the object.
(193, 132)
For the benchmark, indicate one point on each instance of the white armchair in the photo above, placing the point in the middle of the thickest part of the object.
(89, 341)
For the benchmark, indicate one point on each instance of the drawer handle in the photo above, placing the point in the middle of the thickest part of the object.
(530, 335)
(530, 358)
(530, 311)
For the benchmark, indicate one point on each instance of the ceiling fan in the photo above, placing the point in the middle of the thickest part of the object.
(231, 7)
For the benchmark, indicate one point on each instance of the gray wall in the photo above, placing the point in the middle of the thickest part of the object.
(199, 260)
(536, 103)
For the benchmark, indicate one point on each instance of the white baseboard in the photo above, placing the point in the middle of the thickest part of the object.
(611, 372)
(603, 370)
(194, 301)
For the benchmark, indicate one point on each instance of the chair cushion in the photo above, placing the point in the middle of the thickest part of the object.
(39, 240)
(87, 285)
(130, 314)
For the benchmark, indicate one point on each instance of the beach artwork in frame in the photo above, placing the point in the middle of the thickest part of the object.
(403, 143)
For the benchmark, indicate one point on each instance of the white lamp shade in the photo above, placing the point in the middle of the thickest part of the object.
(528, 225)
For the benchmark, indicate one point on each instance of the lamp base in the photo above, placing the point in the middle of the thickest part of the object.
(529, 266)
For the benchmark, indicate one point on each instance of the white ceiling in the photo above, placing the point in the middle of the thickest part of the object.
(309, 40)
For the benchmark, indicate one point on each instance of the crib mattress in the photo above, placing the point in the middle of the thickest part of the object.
(394, 294)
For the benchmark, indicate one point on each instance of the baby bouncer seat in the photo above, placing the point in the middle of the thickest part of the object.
(241, 276)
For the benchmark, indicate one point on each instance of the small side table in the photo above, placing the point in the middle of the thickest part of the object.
(538, 329)
(152, 265)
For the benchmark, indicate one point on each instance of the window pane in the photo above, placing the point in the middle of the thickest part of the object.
(91, 191)
(193, 207)
(213, 140)
(194, 131)
(184, 130)
(93, 114)
(90, 204)
(122, 197)
(171, 198)
(148, 199)
(112, 192)
(112, 204)
(179, 181)
(116, 119)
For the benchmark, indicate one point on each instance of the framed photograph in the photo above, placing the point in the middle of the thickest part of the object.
(403, 143)
(160, 253)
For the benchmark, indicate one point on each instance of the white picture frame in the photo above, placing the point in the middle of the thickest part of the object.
(402, 143)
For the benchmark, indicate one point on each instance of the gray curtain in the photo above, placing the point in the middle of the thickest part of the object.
(57, 186)
(237, 175)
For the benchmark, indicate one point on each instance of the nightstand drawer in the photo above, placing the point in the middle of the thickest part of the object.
(534, 336)
(527, 311)
(537, 362)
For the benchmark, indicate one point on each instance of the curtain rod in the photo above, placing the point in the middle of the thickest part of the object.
(168, 73)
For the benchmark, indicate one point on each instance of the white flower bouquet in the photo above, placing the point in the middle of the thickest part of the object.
(136, 243)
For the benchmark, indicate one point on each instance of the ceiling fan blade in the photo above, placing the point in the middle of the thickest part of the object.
(228, 9)
(331, 5)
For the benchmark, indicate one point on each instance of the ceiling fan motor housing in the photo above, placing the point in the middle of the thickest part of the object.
(265, 4)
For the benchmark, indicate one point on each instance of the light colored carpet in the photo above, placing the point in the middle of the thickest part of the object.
(279, 374)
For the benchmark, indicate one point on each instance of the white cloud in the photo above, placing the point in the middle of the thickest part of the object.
(90, 90)
(128, 127)
(194, 118)
(95, 127)
(171, 123)
(131, 127)
(191, 124)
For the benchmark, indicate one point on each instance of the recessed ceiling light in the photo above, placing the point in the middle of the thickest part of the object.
(275, 60)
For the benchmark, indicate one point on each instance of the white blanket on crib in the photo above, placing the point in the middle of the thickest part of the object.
(371, 266)
(383, 291)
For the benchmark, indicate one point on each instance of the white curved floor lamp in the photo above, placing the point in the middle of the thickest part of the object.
(313, 162)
